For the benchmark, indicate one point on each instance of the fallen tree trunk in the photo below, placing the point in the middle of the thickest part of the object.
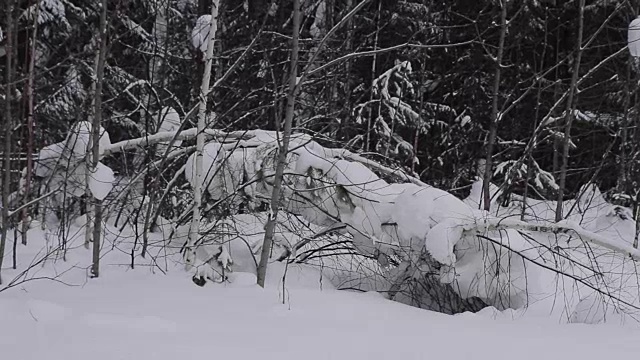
(403, 218)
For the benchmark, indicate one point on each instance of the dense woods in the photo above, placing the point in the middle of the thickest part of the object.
(535, 101)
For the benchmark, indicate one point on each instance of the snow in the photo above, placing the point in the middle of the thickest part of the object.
(64, 167)
(200, 33)
(168, 120)
(79, 139)
(101, 181)
(212, 156)
(139, 314)
(426, 233)
(493, 257)
(633, 37)
(318, 27)
(48, 159)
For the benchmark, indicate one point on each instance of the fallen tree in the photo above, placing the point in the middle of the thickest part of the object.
(420, 236)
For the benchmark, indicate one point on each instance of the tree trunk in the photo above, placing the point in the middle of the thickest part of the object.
(495, 116)
(636, 217)
(284, 148)
(373, 75)
(155, 74)
(568, 116)
(6, 169)
(621, 186)
(95, 139)
(194, 231)
(30, 125)
(530, 160)
(344, 124)
(88, 204)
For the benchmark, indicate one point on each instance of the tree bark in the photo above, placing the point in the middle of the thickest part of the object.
(495, 116)
(6, 169)
(344, 124)
(621, 186)
(95, 139)
(30, 125)
(284, 148)
(568, 116)
(89, 214)
(373, 75)
(194, 231)
(155, 74)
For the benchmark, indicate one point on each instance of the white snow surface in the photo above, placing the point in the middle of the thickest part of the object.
(633, 37)
(144, 314)
(200, 33)
(167, 119)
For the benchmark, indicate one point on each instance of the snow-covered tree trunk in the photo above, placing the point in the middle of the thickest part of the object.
(568, 112)
(194, 231)
(95, 139)
(8, 128)
(283, 150)
(495, 115)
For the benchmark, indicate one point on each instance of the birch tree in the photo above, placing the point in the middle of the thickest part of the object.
(194, 231)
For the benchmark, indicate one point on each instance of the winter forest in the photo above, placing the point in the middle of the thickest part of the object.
(472, 156)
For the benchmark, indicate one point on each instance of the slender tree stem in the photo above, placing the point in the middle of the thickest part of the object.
(8, 129)
(194, 231)
(95, 135)
(373, 74)
(30, 125)
(568, 114)
(495, 116)
(284, 149)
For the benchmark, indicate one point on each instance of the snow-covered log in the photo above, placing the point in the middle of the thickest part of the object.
(390, 215)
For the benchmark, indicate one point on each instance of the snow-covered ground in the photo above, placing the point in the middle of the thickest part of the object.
(144, 314)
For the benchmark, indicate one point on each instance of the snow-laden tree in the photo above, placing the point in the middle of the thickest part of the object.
(391, 112)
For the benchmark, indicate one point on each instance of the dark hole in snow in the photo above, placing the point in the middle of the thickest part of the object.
(199, 280)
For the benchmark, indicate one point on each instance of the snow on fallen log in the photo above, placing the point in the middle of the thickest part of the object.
(383, 219)
(302, 143)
